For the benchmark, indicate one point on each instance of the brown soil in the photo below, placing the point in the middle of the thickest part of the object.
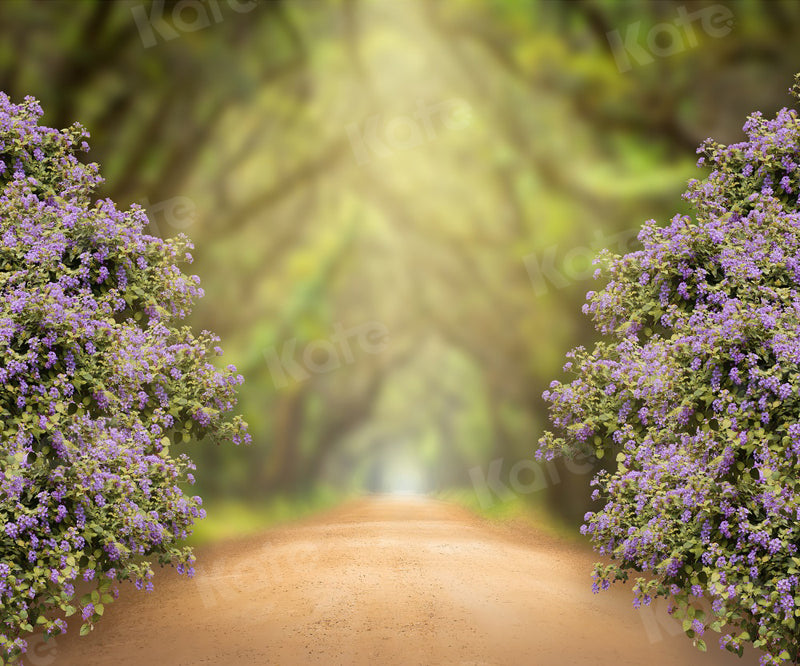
(385, 580)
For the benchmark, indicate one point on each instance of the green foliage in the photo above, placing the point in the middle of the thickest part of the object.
(97, 381)
(697, 389)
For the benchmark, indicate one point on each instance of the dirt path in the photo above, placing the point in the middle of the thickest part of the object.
(384, 581)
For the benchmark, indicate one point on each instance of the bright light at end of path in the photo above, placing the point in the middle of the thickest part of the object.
(405, 479)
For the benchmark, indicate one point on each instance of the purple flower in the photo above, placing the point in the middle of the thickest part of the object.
(87, 488)
(702, 348)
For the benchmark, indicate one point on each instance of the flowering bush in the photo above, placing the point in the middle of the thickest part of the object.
(697, 390)
(96, 383)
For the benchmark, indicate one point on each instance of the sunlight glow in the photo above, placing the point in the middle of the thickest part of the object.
(405, 478)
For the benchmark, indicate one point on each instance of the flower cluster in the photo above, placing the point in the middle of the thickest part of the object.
(97, 381)
(696, 388)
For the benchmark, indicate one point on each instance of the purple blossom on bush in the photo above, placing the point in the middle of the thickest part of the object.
(696, 388)
(97, 380)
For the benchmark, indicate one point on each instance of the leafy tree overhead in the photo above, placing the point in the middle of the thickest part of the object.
(240, 133)
(97, 381)
(696, 387)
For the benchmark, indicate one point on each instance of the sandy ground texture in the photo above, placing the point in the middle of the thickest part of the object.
(385, 580)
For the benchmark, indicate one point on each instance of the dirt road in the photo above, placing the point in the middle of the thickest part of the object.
(385, 581)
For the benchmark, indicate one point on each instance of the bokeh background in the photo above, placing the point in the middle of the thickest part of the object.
(395, 205)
